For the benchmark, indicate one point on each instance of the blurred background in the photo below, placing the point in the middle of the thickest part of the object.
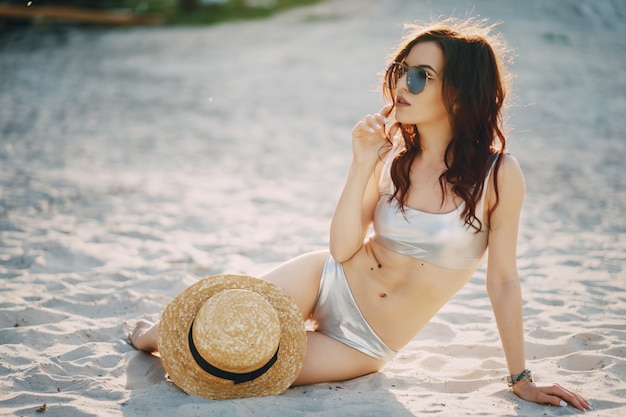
(143, 11)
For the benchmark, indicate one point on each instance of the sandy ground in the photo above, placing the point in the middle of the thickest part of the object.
(135, 161)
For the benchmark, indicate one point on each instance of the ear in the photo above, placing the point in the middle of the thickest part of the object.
(456, 103)
(452, 96)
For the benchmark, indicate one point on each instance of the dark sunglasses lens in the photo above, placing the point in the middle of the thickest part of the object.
(416, 79)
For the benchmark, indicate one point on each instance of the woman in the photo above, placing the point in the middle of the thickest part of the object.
(429, 172)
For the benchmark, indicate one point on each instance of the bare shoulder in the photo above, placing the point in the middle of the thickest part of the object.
(510, 177)
(510, 170)
(511, 186)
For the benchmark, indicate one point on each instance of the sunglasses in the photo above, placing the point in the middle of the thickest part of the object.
(416, 77)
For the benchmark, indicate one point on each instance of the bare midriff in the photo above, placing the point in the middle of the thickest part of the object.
(398, 294)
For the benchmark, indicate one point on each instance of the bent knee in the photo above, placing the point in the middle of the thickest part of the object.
(300, 278)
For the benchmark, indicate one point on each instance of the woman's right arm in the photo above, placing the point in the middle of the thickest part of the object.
(355, 209)
(354, 212)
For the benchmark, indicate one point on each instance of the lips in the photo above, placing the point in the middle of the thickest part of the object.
(401, 101)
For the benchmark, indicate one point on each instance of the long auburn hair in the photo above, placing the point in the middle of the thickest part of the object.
(475, 82)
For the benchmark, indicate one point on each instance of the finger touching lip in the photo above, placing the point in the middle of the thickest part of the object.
(386, 110)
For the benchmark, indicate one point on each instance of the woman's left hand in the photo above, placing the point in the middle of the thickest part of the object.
(554, 395)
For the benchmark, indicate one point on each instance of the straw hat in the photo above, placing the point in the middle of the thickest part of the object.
(232, 336)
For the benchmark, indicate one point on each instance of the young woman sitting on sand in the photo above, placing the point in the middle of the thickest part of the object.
(430, 173)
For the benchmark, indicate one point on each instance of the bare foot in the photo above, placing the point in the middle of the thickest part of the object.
(145, 336)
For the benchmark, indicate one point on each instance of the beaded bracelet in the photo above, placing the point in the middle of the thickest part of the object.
(525, 375)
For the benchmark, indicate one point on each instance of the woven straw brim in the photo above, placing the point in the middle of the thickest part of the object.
(185, 372)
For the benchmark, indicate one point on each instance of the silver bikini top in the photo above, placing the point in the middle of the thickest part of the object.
(440, 239)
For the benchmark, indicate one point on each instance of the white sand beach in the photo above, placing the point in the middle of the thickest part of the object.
(135, 161)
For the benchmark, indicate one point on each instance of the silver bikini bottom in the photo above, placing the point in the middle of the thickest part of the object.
(337, 315)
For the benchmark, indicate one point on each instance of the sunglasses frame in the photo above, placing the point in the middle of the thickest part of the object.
(401, 68)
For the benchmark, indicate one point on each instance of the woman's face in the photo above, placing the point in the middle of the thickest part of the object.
(427, 106)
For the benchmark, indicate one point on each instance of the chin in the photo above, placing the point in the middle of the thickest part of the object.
(405, 120)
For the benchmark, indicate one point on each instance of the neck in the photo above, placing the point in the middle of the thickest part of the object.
(434, 143)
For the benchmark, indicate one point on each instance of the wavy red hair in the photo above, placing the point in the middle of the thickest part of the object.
(475, 83)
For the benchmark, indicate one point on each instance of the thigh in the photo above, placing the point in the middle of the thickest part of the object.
(300, 278)
(328, 360)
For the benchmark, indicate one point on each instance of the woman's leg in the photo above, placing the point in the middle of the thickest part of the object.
(328, 360)
(300, 278)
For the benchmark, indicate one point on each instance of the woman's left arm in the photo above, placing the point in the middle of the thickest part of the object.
(503, 284)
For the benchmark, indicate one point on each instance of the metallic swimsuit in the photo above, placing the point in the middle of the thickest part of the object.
(337, 315)
(439, 239)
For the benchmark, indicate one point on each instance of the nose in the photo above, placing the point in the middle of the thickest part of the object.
(401, 84)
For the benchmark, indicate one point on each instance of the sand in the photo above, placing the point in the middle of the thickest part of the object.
(134, 162)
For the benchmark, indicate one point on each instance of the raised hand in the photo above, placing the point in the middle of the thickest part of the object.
(371, 134)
